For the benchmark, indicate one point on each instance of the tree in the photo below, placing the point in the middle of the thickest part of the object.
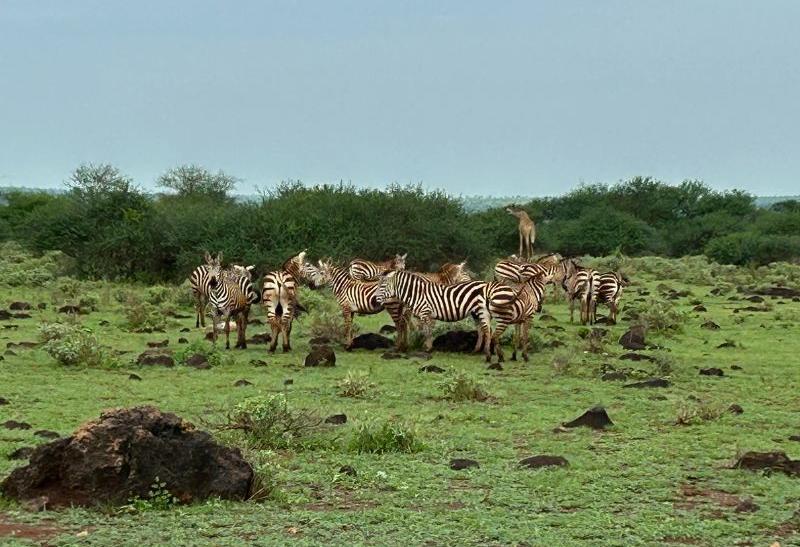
(89, 180)
(194, 180)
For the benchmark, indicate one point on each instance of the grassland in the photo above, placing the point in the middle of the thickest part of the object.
(644, 481)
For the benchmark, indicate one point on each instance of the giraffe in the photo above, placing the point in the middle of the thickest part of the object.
(527, 231)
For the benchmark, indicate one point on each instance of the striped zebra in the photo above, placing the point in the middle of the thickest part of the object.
(232, 297)
(607, 290)
(519, 313)
(366, 270)
(580, 285)
(358, 298)
(279, 298)
(202, 280)
(448, 274)
(429, 301)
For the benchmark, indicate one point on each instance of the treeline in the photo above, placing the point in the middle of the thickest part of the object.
(112, 229)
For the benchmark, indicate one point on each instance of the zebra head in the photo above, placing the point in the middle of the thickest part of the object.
(387, 287)
(320, 274)
(399, 262)
(214, 267)
(243, 271)
(458, 273)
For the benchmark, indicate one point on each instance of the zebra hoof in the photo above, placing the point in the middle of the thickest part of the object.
(272, 350)
(286, 349)
(513, 357)
(525, 358)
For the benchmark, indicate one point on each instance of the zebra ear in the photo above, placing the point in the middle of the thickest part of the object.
(404, 256)
(207, 257)
(219, 257)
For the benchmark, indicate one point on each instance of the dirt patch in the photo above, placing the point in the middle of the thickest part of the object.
(336, 419)
(38, 533)
(711, 371)
(772, 461)
(457, 464)
(694, 497)
(709, 325)
(544, 460)
(650, 382)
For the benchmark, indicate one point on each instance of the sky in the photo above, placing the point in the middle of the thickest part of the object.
(490, 98)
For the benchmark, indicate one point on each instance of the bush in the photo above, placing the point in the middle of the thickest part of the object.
(215, 356)
(157, 294)
(143, 317)
(385, 437)
(73, 345)
(270, 423)
(459, 386)
(659, 316)
(354, 384)
(329, 325)
(158, 498)
(21, 268)
(751, 247)
(562, 362)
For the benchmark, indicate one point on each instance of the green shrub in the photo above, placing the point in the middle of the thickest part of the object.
(354, 384)
(460, 386)
(215, 355)
(158, 498)
(385, 437)
(73, 345)
(659, 316)
(329, 325)
(157, 294)
(270, 423)
(19, 267)
(144, 317)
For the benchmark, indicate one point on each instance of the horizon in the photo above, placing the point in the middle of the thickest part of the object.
(521, 99)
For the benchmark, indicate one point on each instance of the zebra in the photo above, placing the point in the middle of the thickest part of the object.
(608, 290)
(579, 285)
(232, 297)
(448, 274)
(366, 270)
(429, 301)
(358, 297)
(202, 280)
(279, 298)
(525, 306)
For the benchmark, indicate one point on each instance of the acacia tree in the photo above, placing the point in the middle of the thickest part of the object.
(194, 180)
(89, 180)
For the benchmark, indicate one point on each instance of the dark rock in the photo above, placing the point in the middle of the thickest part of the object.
(391, 355)
(546, 317)
(199, 361)
(263, 338)
(156, 357)
(711, 371)
(388, 329)
(336, 419)
(603, 321)
(457, 464)
(19, 306)
(735, 409)
(11, 327)
(119, 457)
(699, 308)
(746, 505)
(288, 382)
(46, 434)
(495, 366)
(535, 462)
(782, 292)
(21, 453)
(41, 306)
(320, 356)
(160, 344)
(596, 418)
(104, 323)
(69, 308)
(186, 329)
(557, 328)
(709, 325)
(431, 368)
(183, 340)
(795, 438)
(4, 401)
(10, 352)
(347, 470)
(22, 315)
(23, 345)
(773, 461)
(750, 308)
(650, 382)
(614, 376)
(636, 357)
(133, 376)
(13, 424)
(727, 344)
(258, 362)
(242, 383)
(423, 355)
(4, 315)
(755, 298)
(736, 367)
(371, 341)
(633, 339)
(319, 341)
(456, 341)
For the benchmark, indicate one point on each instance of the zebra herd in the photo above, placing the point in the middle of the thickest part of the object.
(364, 287)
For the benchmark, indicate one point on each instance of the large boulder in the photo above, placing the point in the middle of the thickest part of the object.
(633, 339)
(371, 341)
(456, 341)
(120, 455)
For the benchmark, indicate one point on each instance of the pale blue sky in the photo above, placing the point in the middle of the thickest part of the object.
(473, 97)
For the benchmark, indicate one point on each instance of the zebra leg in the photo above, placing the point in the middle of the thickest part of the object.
(275, 326)
(227, 319)
(199, 308)
(241, 322)
(612, 312)
(348, 328)
(487, 346)
(498, 348)
(525, 327)
(427, 331)
(571, 308)
(287, 331)
(514, 342)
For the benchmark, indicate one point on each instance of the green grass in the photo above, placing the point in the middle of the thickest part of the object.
(623, 486)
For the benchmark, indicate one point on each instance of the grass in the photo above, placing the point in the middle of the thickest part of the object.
(622, 485)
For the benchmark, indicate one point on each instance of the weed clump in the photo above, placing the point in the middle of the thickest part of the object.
(74, 345)
(385, 437)
(660, 316)
(158, 498)
(141, 316)
(698, 413)
(460, 386)
(215, 356)
(354, 384)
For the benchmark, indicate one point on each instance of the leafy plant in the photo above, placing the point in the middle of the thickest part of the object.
(354, 384)
(74, 345)
(460, 386)
(158, 499)
(215, 356)
(385, 437)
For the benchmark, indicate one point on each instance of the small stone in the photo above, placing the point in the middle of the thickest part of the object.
(46, 434)
(133, 376)
(186, 329)
(735, 409)
(596, 418)
(336, 419)
(13, 424)
(242, 383)
(431, 368)
(183, 340)
(650, 382)
(347, 470)
(288, 382)
(258, 362)
(21, 453)
(535, 462)
(158, 344)
(495, 366)
(711, 371)
(198, 361)
(457, 464)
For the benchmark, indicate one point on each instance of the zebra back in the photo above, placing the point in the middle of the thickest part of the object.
(278, 294)
(367, 270)
(234, 293)
(608, 287)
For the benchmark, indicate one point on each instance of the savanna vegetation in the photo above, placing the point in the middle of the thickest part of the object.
(110, 229)
(660, 475)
